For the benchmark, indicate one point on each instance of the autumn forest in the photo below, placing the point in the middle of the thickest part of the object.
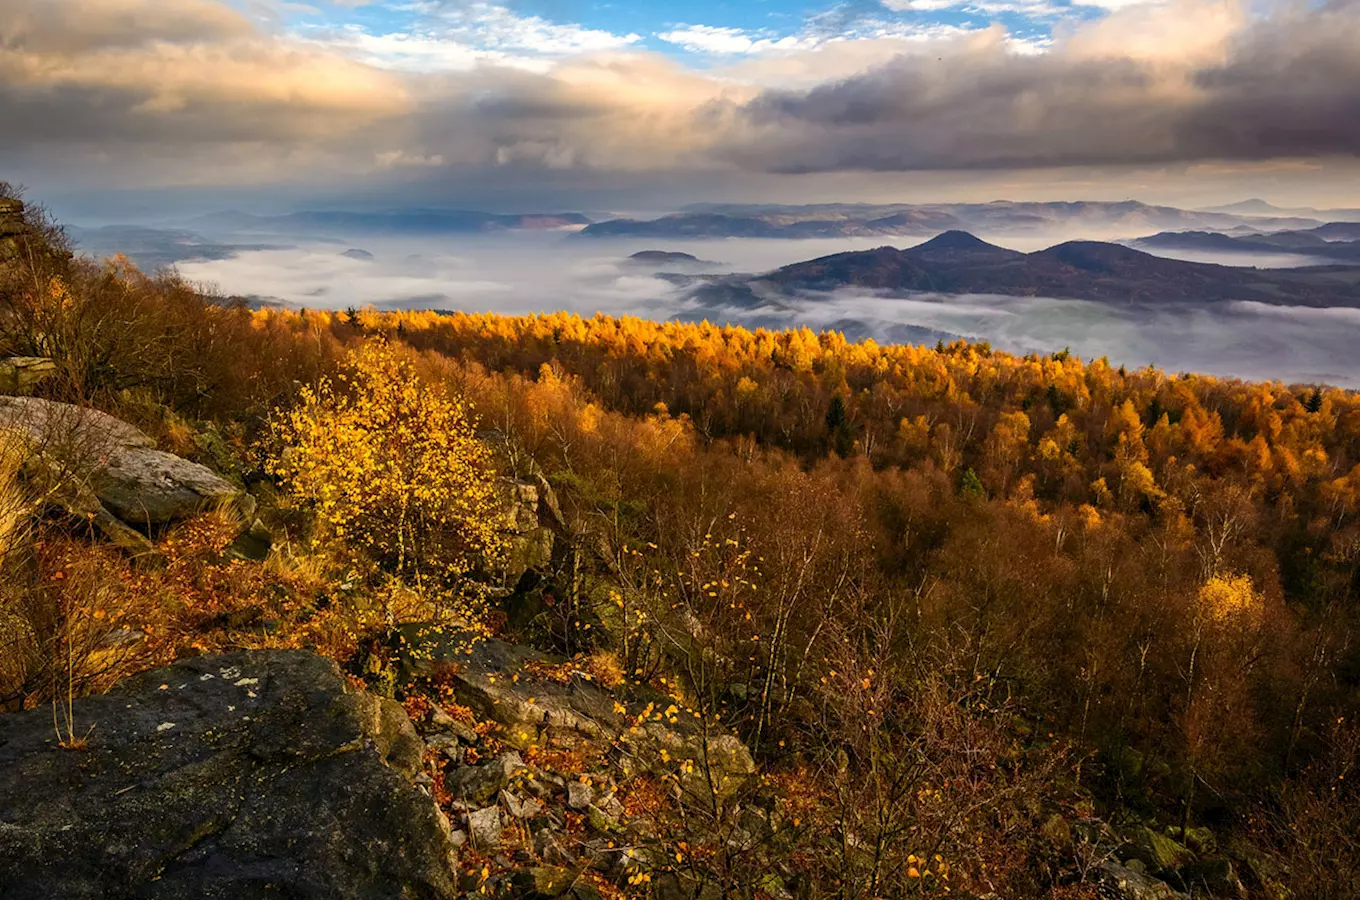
(958, 603)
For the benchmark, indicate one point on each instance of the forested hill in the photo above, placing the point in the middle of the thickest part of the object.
(1027, 626)
(959, 263)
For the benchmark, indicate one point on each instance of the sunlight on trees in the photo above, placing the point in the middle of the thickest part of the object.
(1230, 599)
(390, 466)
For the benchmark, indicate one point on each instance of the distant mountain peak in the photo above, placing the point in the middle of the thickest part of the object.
(960, 247)
(956, 240)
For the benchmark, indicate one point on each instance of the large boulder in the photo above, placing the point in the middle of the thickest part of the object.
(108, 470)
(253, 774)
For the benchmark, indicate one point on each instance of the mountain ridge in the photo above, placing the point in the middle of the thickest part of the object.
(959, 263)
(871, 220)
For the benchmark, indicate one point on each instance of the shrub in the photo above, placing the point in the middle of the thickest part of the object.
(392, 471)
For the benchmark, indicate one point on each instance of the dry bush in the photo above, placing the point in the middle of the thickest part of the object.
(1316, 830)
(82, 615)
(17, 641)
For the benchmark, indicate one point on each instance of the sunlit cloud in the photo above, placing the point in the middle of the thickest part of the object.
(133, 91)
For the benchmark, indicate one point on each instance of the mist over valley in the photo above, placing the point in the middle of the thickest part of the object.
(1250, 328)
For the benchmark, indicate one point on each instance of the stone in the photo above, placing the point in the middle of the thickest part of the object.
(1200, 840)
(20, 374)
(478, 784)
(12, 217)
(1160, 852)
(612, 805)
(579, 795)
(13, 228)
(464, 733)
(601, 821)
(241, 775)
(448, 747)
(491, 678)
(1122, 883)
(529, 543)
(680, 886)
(255, 542)
(105, 469)
(548, 845)
(484, 828)
(440, 720)
(521, 807)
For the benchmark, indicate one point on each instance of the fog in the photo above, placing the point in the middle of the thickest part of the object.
(1256, 260)
(542, 272)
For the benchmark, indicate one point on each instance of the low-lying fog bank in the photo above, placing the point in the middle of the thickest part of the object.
(525, 273)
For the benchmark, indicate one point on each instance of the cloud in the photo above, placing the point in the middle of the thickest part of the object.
(396, 159)
(457, 36)
(36, 27)
(1182, 83)
(108, 79)
(142, 91)
(716, 40)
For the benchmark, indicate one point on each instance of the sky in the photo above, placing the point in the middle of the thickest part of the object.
(540, 105)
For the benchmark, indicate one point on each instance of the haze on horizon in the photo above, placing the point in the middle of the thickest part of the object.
(146, 107)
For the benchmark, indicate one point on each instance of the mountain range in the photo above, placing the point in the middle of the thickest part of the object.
(871, 220)
(1257, 207)
(1339, 241)
(957, 262)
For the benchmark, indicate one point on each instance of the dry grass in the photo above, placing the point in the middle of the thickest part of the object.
(79, 616)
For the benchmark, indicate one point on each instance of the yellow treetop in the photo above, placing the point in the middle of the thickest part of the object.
(1230, 599)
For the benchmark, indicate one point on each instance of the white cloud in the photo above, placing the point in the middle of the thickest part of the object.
(1033, 9)
(1116, 4)
(724, 41)
(401, 159)
(459, 38)
(498, 28)
(921, 5)
(411, 52)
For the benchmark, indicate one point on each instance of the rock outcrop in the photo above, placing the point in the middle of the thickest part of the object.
(253, 774)
(12, 225)
(507, 684)
(19, 374)
(19, 237)
(102, 468)
(528, 530)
